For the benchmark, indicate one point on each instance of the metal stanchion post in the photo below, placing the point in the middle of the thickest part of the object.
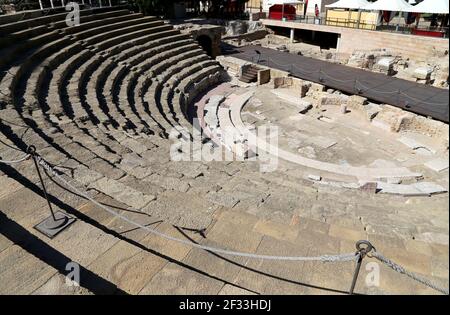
(362, 251)
(321, 79)
(57, 221)
(357, 89)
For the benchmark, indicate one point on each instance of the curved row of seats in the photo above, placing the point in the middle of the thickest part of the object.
(95, 94)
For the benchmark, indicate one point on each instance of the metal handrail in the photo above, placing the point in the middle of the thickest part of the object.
(361, 24)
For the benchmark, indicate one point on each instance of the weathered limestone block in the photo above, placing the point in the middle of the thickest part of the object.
(301, 85)
(327, 54)
(385, 65)
(372, 110)
(316, 87)
(303, 106)
(356, 102)
(230, 64)
(423, 73)
(361, 59)
(360, 105)
(263, 76)
(439, 52)
(282, 82)
(395, 119)
(427, 126)
(441, 77)
(391, 118)
(331, 99)
(211, 110)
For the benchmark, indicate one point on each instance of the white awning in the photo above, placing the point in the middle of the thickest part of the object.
(389, 5)
(349, 4)
(431, 6)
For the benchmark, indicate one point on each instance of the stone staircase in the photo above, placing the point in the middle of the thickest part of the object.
(250, 74)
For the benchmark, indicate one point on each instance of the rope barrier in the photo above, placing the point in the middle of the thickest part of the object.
(412, 275)
(323, 258)
(10, 146)
(358, 256)
(346, 81)
(247, 54)
(305, 71)
(374, 90)
(334, 79)
(279, 64)
(421, 101)
(13, 123)
(7, 72)
(15, 161)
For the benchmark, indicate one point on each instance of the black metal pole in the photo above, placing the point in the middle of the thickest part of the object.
(32, 151)
(356, 273)
(362, 251)
(53, 222)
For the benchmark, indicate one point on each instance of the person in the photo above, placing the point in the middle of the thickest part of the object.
(316, 10)
(434, 21)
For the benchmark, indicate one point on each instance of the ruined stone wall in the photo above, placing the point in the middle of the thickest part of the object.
(411, 46)
(214, 32)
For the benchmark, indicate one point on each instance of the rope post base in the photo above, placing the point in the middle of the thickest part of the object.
(362, 251)
(56, 222)
(51, 227)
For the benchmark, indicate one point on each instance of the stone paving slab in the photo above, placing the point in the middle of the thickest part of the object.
(82, 242)
(392, 282)
(167, 248)
(56, 285)
(22, 203)
(405, 190)
(127, 266)
(122, 192)
(220, 266)
(174, 279)
(4, 242)
(229, 289)
(23, 272)
(429, 188)
(96, 213)
(274, 277)
(276, 230)
(8, 185)
(196, 214)
(414, 144)
(437, 165)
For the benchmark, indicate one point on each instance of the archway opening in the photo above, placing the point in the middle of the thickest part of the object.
(206, 43)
